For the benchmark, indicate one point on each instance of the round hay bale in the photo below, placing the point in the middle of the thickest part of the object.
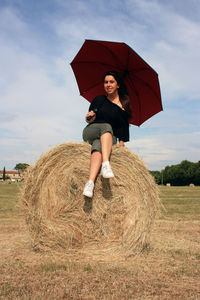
(116, 221)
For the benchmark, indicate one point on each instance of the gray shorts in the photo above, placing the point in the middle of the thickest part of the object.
(92, 134)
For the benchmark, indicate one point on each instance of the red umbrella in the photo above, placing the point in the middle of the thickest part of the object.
(97, 57)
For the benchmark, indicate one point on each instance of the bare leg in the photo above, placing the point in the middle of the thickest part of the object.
(106, 145)
(95, 164)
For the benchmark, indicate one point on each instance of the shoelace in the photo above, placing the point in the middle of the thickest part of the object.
(106, 167)
(89, 185)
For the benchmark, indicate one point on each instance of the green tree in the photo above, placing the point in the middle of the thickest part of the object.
(197, 174)
(21, 167)
(183, 174)
(173, 175)
(157, 176)
(4, 174)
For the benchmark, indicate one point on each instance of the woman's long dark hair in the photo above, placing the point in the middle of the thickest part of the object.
(122, 91)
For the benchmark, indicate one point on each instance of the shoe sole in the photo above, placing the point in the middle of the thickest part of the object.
(88, 195)
(107, 177)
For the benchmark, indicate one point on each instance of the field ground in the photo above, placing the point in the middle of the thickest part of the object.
(168, 269)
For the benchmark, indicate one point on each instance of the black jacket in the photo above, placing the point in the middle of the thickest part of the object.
(108, 112)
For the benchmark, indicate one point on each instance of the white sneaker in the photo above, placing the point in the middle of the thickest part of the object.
(88, 189)
(106, 171)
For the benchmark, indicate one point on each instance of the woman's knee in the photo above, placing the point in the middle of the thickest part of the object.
(106, 135)
(106, 129)
(96, 153)
(90, 133)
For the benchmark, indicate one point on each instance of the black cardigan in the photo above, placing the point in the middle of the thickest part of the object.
(108, 112)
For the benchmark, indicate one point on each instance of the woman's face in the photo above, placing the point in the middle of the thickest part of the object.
(110, 85)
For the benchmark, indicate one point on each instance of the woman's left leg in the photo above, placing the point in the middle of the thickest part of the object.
(106, 145)
(95, 164)
(101, 138)
(107, 140)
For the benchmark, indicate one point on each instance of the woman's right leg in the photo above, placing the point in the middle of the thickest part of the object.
(107, 140)
(93, 134)
(95, 164)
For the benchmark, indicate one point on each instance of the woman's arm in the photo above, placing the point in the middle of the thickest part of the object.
(90, 117)
(121, 143)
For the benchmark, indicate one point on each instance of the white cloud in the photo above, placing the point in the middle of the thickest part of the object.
(167, 149)
(40, 102)
(38, 99)
(167, 40)
(170, 42)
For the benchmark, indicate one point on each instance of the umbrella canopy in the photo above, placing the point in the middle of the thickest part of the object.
(97, 57)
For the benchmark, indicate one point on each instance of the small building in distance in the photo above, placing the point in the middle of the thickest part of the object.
(13, 175)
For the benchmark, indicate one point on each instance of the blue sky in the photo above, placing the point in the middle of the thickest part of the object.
(40, 106)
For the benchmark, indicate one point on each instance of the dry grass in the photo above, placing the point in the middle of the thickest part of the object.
(168, 269)
(115, 224)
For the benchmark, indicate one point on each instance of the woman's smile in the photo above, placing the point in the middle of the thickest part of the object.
(110, 84)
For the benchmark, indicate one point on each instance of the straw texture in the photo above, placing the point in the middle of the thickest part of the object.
(116, 222)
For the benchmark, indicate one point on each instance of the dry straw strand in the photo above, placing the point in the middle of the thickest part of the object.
(116, 222)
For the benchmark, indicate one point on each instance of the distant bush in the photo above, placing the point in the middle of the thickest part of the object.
(181, 174)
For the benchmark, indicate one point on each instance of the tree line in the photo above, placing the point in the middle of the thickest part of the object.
(181, 174)
(20, 167)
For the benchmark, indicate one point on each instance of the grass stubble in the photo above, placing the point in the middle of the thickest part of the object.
(169, 268)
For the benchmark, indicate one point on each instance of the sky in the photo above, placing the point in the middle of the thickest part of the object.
(40, 104)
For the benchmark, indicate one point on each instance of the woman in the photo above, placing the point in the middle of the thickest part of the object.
(108, 121)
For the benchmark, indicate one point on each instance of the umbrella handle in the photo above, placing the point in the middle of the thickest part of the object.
(90, 117)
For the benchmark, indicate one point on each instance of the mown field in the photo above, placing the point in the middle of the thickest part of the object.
(168, 269)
